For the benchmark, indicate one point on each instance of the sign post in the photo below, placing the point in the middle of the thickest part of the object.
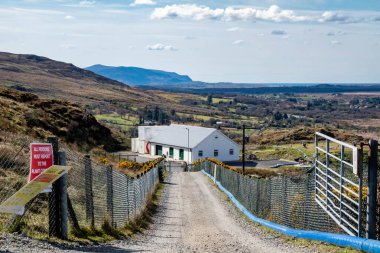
(16, 203)
(41, 158)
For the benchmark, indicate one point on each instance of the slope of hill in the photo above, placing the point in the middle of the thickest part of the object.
(58, 80)
(139, 76)
(26, 113)
(52, 79)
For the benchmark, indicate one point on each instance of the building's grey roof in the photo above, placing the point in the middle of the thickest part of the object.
(177, 135)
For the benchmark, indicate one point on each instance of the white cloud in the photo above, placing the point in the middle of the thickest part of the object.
(86, 3)
(160, 47)
(335, 42)
(69, 17)
(234, 29)
(278, 32)
(197, 12)
(338, 33)
(274, 13)
(329, 16)
(142, 2)
(238, 42)
(189, 38)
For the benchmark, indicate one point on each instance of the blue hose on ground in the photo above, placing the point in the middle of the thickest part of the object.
(359, 243)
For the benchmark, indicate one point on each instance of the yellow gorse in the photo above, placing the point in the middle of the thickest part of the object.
(127, 164)
(104, 160)
(217, 162)
(354, 189)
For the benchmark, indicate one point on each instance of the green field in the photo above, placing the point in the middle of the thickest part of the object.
(124, 122)
(286, 151)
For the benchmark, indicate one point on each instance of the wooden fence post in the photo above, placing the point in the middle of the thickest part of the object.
(53, 202)
(62, 196)
(372, 189)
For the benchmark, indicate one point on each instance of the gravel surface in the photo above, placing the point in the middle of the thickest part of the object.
(274, 163)
(193, 216)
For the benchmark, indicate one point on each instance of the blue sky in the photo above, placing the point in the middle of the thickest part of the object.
(238, 41)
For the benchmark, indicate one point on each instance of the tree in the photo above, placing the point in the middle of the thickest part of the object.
(156, 113)
(277, 116)
(209, 99)
(160, 118)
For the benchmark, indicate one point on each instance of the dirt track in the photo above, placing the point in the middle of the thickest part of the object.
(193, 217)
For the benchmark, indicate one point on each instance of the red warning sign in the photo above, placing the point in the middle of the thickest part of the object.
(41, 158)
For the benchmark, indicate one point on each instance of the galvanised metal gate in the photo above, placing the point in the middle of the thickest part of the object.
(339, 182)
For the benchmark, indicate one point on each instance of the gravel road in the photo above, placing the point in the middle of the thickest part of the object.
(193, 216)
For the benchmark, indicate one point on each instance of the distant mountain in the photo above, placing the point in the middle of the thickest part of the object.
(139, 76)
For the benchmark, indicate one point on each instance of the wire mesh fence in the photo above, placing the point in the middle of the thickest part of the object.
(286, 200)
(97, 193)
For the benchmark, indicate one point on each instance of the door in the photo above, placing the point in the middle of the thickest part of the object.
(158, 150)
(181, 154)
(171, 152)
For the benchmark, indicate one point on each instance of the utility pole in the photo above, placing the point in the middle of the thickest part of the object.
(244, 139)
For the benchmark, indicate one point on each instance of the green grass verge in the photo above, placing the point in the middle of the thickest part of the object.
(108, 233)
(271, 234)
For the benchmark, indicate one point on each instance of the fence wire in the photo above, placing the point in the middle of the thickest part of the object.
(97, 193)
(286, 200)
(98, 196)
(101, 194)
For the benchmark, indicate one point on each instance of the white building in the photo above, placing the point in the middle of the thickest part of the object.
(186, 143)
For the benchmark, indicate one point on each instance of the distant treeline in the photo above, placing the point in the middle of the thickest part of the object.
(324, 88)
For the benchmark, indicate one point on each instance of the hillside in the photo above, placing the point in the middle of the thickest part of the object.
(53, 79)
(26, 113)
(58, 80)
(139, 76)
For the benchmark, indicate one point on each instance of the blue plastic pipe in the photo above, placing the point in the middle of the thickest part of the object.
(359, 243)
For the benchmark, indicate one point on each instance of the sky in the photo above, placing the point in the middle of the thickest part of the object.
(244, 41)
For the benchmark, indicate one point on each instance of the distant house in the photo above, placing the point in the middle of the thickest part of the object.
(185, 143)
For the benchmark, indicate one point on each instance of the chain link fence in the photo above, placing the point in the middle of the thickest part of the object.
(97, 193)
(286, 200)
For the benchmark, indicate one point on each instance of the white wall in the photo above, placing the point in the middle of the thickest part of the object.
(165, 151)
(138, 145)
(222, 143)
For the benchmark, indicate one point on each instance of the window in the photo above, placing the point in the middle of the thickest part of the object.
(216, 152)
(200, 153)
(231, 151)
(181, 154)
(171, 152)
(158, 150)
